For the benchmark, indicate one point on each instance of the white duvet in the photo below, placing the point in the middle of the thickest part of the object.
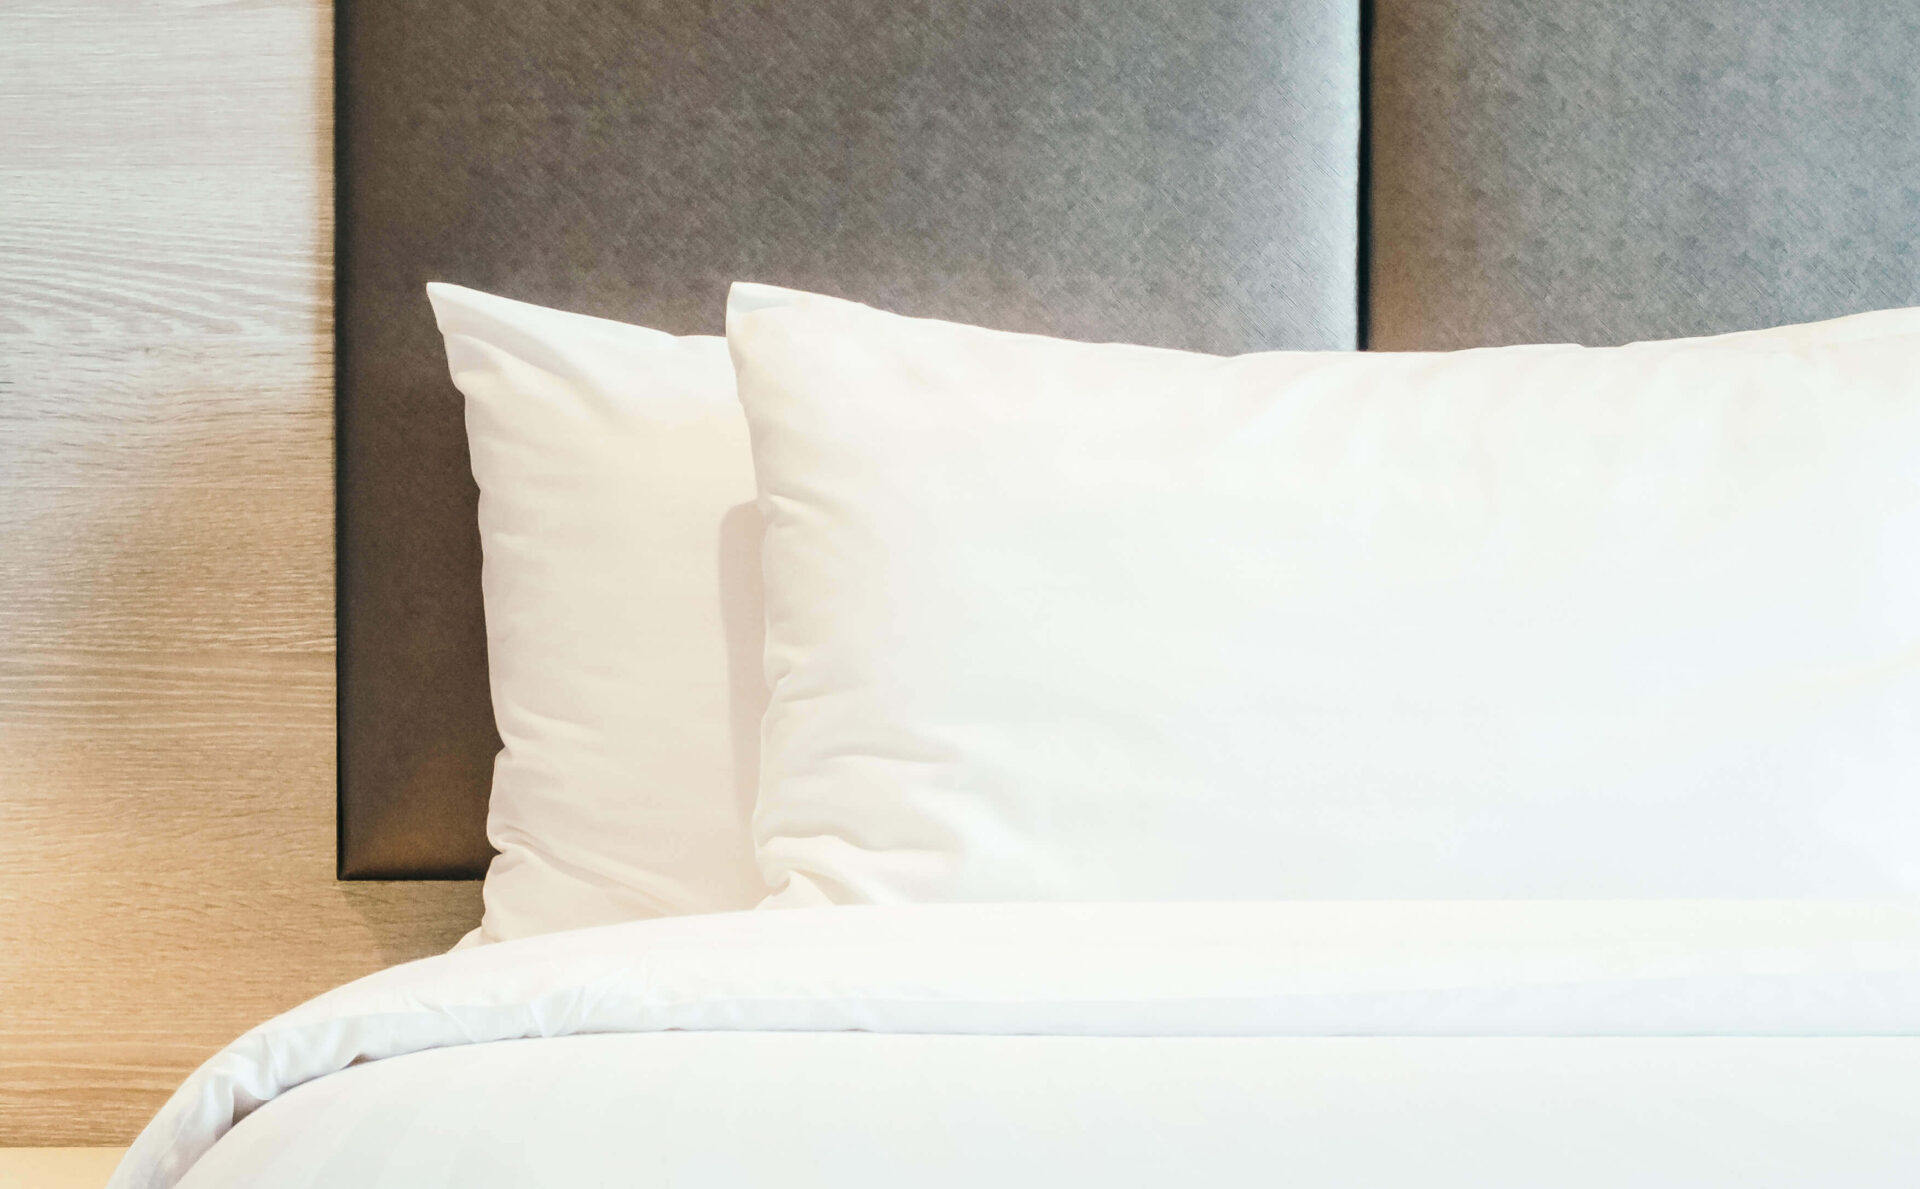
(1330, 969)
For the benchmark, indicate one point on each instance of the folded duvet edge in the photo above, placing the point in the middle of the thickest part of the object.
(1559, 968)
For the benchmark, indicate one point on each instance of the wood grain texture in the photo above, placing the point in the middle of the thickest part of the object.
(166, 528)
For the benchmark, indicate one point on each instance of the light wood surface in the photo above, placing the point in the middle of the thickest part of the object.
(57, 1168)
(166, 585)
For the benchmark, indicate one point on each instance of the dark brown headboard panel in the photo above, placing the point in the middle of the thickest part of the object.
(1177, 173)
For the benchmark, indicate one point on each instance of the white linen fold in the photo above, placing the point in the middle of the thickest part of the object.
(1501, 968)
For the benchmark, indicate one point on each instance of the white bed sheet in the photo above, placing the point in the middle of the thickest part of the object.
(1222, 995)
(866, 1111)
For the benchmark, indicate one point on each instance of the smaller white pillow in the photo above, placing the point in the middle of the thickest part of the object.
(624, 620)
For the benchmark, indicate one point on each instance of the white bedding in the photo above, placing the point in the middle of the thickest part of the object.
(865, 1111)
(1020, 982)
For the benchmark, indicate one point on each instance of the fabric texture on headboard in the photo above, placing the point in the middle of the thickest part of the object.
(1564, 170)
(1178, 174)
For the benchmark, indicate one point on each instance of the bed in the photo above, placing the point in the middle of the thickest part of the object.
(1217, 177)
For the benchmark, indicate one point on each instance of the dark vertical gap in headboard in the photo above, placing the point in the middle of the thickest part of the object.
(1363, 192)
(340, 214)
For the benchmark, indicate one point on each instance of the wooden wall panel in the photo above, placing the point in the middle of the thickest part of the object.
(166, 585)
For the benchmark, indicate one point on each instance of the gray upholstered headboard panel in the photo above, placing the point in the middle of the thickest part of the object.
(1174, 173)
(1177, 173)
(1599, 172)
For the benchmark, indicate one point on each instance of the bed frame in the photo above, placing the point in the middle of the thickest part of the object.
(1221, 175)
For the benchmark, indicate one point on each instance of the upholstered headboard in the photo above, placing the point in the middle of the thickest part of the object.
(1222, 175)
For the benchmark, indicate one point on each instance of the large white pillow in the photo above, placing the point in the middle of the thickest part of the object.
(622, 588)
(1055, 620)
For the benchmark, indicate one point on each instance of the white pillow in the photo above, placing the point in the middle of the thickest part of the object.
(622, 589)
(1050, 620)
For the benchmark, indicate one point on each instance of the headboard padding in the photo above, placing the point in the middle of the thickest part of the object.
(1563, 170)
(1182, 174)
(1185, 174)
